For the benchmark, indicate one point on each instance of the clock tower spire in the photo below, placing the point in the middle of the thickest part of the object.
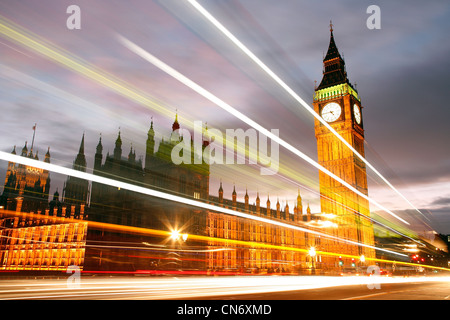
(334, 71)
(339, 104)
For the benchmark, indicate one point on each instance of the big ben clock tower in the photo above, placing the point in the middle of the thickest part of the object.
(337, 101)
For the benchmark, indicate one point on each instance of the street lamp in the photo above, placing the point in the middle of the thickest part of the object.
(175, 235)
(362, 259)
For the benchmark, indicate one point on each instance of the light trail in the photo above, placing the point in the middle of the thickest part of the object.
(289, 175)
(208, 95)
(291, 92)
(154, 193)
(123, 247)
(77, 104)
(182, 288)
(32, 42)
(77, 65)
(208, 239)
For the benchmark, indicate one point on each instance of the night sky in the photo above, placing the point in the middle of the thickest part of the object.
(400, 70)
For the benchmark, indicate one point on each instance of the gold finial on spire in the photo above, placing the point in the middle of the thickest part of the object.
(331, 26)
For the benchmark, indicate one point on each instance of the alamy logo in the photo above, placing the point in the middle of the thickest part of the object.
(74, 279)
(73, 22)
(374, 271)
(374, 20)
(235, 147)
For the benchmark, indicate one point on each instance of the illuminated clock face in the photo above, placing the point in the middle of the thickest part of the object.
(331, 112)
(357, 113)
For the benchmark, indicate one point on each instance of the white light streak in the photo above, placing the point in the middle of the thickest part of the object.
(154, 193)
(190, 287)
(208, 95)
(255, 59)
(122, 247)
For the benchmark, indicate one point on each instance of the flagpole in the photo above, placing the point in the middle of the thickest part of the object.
(34, 133)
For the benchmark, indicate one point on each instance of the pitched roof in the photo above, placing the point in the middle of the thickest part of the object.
(333, 51)
(334, 67)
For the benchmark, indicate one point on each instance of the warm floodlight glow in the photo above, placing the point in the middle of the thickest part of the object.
(175, 235)
(321, 224)
(328, 215)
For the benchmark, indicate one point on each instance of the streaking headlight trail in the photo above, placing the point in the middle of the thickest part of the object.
(208, 95)
(291, 92)
(150, 192)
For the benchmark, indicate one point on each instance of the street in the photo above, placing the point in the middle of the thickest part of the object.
(228, 288)
(394, 291)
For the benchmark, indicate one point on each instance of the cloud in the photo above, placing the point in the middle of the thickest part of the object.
(401, 71)
(443, 202)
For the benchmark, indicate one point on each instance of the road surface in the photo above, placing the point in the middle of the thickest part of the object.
(228, 288)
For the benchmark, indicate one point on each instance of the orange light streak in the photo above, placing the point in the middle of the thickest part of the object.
(250, 244)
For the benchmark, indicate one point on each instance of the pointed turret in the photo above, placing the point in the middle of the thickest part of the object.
(175, 135)
(55, 203)
(278, 209)
(56, 195)
(258, 203)
(80, 160)
(299, 206)
(47, 156)
(81, 149)
(75, 189)
(175, 125)
(221, 193)
(246, 198)
(234, 195)
(286, 210)
(118, 148)
(11, 165)
(334, 72)
(24, 150)
(131, 155)
(333, 51)
(98, 155)
(150, 146)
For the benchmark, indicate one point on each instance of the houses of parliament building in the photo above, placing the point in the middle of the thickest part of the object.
(77, 227)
